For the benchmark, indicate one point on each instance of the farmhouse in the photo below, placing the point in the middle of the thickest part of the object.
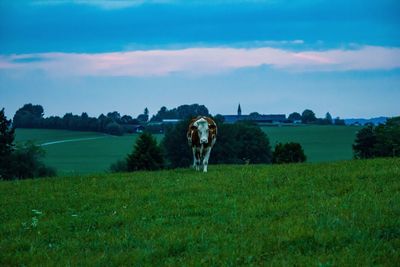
(255, 117)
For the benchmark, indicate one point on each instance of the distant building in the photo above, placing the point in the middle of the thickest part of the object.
(133, 128)
(171, 121)
(260, 118)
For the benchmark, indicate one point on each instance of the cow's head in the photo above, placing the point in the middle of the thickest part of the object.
(202, 130)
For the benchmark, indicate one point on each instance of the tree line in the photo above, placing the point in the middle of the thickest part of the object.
(32, 116)
(378, 141)
(308, 117)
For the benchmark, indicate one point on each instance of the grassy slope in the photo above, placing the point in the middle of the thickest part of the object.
(320, 143)
(331, 214)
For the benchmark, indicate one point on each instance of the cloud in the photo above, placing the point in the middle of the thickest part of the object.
(203, 61)
(104, 4)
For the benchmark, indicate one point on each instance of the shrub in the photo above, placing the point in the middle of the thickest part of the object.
(119, 166)
(288, 153)
(114, 129)
(27, 162)
(146, 155)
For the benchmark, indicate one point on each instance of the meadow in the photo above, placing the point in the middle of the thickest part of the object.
(91, 152)
(314, 214)
(320, 143)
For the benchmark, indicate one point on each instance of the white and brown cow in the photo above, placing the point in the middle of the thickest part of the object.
(202, 134)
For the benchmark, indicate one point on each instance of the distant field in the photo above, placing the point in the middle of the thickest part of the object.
(89, 152)
(80, 156)
(320, 143)
(326, 214)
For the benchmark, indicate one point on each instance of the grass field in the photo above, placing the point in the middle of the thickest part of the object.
(90, 152)
(326, 214)
(320, 143)
(81, 154)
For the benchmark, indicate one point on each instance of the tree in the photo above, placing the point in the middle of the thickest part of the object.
(339, 121)
(365, 142)
(6, 145)
(27, 162)
(182, 112)
(175, 145)
(114, 129)
(328, 118)
(147, 154)
(308, 116)
(378, 141)
(295, 116)
(288, 153)
(29, 116)
(143, 118)
(115, 116)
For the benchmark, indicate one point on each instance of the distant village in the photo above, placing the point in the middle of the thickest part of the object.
(32, 116)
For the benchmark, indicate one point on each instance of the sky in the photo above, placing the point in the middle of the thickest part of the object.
(272, 57)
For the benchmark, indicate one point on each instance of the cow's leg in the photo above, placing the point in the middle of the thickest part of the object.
(206, 157)
(198, 160)
(194, 157)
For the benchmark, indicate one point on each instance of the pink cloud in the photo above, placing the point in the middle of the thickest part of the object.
(202, 61)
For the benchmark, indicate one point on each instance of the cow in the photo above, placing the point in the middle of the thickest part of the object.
(201, 135)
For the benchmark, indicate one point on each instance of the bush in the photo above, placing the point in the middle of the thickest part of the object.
(114, 129)
(288, 153)
(146, 155)
(119, 166)
(27, 162)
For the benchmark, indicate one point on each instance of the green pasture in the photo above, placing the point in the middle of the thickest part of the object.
(83, 152)
(90, 152)
(323, 214)
(320, 143)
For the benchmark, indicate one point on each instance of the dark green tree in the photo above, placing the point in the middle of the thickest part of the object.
(114, 129)
(288, 153)
(308, 116)
(175, 145)
(364, 145)
(147, 155)
(328, 118)
(6, 145)
(27, 162)
(378, 141)
(143, 118)
(295, 116)
(339, 121)
(29, 116)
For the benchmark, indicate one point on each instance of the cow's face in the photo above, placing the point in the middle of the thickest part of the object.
(202, 130)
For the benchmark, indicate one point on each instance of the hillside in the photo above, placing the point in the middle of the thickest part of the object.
(326, 214)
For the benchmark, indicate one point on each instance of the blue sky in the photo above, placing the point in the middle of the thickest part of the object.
(272, 56)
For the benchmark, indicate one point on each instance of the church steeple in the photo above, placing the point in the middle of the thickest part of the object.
(239, 112)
